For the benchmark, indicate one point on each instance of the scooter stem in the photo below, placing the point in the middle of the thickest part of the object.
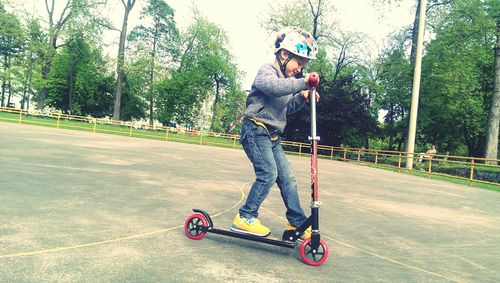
(313, 83)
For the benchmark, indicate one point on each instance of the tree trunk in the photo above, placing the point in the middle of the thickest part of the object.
(27, 87)
(47, 65)
(151, 77)
(404, 131)
(472, 141)
(30, 81)
(3, 93)
(316, 16)
(366, 140)
(3, 81)
(214, 107)
(72, 79)
(10, 92)
(119, 91)
(119, 68)
(400, 144)
(121, 59)
(391, 142)
(10, 82)
(390, 127)
(44, 90)
(494, 115)
(23, 100)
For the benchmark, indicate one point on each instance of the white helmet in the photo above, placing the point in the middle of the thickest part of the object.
(296, 41)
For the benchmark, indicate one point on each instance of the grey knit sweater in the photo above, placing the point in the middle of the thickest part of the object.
(272, 97)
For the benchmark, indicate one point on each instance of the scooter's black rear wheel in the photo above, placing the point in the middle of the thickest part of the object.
(195, 226)
(314, 256)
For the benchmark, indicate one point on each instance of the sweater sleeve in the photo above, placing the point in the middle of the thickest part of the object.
(270, 84)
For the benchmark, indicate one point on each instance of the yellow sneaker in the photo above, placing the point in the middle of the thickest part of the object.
(307, 232)
(250, 225)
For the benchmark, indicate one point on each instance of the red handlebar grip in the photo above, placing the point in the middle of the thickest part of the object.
(313, 80)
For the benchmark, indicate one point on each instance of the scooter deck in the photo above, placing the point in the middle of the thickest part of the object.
(265, 240)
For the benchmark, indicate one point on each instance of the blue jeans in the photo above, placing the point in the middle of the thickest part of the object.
(271, 166)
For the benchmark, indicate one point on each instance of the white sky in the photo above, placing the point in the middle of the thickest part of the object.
(250, 44)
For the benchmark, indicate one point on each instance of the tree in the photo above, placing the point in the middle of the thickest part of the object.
(11, 45)
(134, 100)
(316, 16)
(57, 23)
(78, 82)
(413, 34)
(458, 74)
(128, 6)
(134, 106)
(381, 4)
(230, 111)
(394, 79)
(206, 72)
(216, 61)
(34, 51)
(161, 37)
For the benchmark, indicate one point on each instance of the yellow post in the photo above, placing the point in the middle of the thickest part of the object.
(399, 162)
(166, 134)
(359, 155)
(20, 116)
(331, 152)
(94, 120)
(376, 157)
(58, 119)
(130, 131)
(429, 171)
(471, 177)
(345, 153)
(201, 138)
(300, 149)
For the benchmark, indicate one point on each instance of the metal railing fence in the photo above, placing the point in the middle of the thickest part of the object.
(470, 169)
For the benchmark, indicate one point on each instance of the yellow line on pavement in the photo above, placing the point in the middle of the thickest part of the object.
(142, 235)
(378, 255)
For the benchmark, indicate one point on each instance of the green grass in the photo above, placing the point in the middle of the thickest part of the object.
(120, 130)
(389, 161)
(424, 174)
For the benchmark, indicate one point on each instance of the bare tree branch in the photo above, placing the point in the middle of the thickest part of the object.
(63, 18)
(61, 45)
(312, 7)
(437, 4)
(50, 11)
(315, 17)
(47, 6)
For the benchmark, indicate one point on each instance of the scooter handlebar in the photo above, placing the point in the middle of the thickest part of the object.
(313, 80)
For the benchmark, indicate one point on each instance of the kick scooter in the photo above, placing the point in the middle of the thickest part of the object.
(313, 251)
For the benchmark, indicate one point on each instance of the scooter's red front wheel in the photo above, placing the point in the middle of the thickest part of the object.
(311, 255)
(194, 226)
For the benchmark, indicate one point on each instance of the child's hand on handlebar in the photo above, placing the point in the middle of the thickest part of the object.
(316, 79)
(305, 94)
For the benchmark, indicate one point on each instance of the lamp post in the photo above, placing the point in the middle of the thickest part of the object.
(412, 129)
